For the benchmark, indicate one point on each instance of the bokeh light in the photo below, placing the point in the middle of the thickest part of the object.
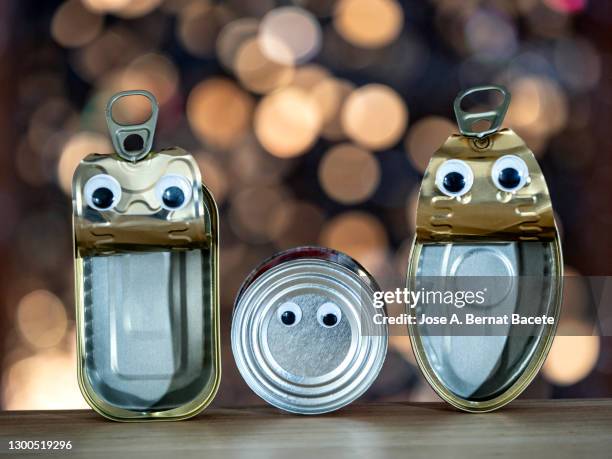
(44, 381)
(75, 149)
(538, 110)
(330, 94)
(573, 354)
(289, 35)
(425, 137)
(232, 37)
(359, 234)
(258, 73)
(41, 319)
(287, 122)
(73, 25)
(152, 72)
(368, 23)
(307, 77)
(566, 6)
(105, 6)
(127, 9)
(199, 25)
(113, 49)
(374, 116)
(349, 174)
(219, 112)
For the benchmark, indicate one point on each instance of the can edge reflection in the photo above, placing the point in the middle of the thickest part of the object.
(208, 393)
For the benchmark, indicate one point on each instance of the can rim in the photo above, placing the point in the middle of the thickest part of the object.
(279, 387)
(540, 349)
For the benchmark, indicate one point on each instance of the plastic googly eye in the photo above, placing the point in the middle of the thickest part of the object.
(510, 173)
(289, 314)
(454, 177)
(102, 192)
(329, 315)
(173, 191)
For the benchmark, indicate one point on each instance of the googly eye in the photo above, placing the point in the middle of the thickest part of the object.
(173, 191)
(289, 314)
(454, 177)
(102, 192)
(329, 315)
(510, 173)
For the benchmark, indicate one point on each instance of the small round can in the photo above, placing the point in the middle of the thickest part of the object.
(303, 334)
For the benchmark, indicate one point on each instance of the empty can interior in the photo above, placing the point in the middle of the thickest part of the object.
(482, 371)
(147, 347)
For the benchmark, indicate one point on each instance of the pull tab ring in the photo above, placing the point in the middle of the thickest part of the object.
(466, 120)
(132, 141)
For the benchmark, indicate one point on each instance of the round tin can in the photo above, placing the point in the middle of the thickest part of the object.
(303, 334)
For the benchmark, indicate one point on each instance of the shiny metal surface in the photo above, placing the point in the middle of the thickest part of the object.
(487, 230)
(120, 132)
(146, 312)
(146, 282)
(308, 368)
(484, 366)
(495, 117)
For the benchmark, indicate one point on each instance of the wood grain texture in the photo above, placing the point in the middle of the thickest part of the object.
(526, 428)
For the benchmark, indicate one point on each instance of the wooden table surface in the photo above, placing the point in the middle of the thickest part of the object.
(526, 428)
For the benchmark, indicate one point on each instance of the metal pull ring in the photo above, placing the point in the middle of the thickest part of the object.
(132, 141)
(466, 120)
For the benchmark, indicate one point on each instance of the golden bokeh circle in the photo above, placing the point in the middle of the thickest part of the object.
(137, 8)
(573, 354)
(105, 6)
(358, 234)
(374, 116)
(369, 23)
(539, 106)
(41, 319)
(46, 380)
(232, 37)
(307, 77)
(349, 174)
(199, 24)
(330, 95)
(74, 150)
(289, 35)
(258, 73)
(425, 137)
(287, 122)
(73, 25)
(153, 72)
(127, 9)
(219, 112)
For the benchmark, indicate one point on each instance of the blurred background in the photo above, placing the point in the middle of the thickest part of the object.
(312, 121)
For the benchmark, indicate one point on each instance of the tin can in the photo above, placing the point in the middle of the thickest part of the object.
(302, 330)
(484, 212)
(146, 278)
